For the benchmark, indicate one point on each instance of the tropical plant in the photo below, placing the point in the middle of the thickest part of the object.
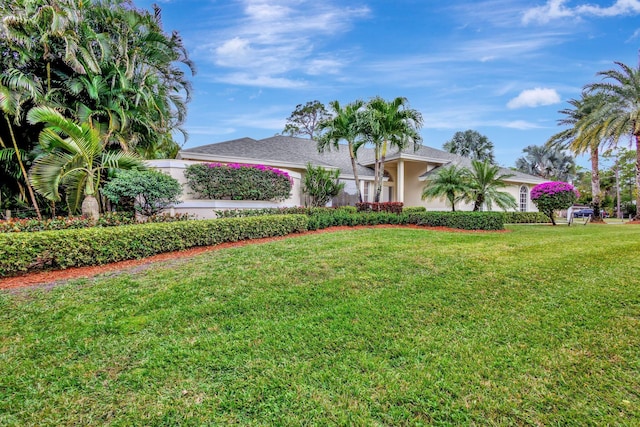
(343, 125)
(547, 162)
(449, 182)
(386, 124)
(585, 135)
(148, 192)
(321, 185)
(485, 181)
(620, 114)
(471, 144)
(75, 159)
(305, 119)
(551, 196)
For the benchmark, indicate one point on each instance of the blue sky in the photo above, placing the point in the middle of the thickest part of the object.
(501, 67)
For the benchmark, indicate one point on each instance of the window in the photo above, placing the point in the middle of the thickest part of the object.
(523, 198)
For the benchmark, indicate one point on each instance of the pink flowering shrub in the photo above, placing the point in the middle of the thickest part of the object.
(238, 181)
(551, 196)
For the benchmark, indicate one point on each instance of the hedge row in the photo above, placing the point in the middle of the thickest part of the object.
(22, 252)
(461, 220)
(525, 218)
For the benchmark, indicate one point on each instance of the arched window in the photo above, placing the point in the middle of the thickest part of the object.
(523, 198)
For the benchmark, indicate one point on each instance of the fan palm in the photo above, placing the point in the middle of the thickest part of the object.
(485, 181)
(342, 126)
(449, 182)
(471, 144)
(387, 124)
(620, 115)
(76, 157)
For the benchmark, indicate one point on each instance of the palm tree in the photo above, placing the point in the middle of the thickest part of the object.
(620, 115)
(486, 180)
(388, 124)
(342, 126)
(76, 157)
(471, 144)
(547, 162)
(449, 182)
(584, 135)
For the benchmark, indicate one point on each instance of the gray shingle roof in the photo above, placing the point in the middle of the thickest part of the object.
(299, 151)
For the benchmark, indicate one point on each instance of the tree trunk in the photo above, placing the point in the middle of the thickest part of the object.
(22, 168)
(637, 217)
(90, 208)
(355, 171)
(595, 185)
(383, 155)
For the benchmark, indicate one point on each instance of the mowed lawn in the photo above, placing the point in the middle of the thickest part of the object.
(537, 326)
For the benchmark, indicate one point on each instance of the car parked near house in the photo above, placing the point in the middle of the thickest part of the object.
(583, 213)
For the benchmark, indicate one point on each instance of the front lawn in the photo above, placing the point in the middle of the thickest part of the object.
(537, 326)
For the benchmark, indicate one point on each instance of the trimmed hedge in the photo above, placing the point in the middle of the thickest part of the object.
(461, 220)
(22, 252)
(413, 209)
(525, 218)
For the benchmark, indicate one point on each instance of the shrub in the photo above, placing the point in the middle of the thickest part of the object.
(150, 191)
(525, 218)
(22, 252)
(392, 207)
(321, 185)
(461, 220)
(413, 209)
(237, 181)
(550, 196)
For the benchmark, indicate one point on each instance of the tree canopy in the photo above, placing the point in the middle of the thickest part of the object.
(471, 144)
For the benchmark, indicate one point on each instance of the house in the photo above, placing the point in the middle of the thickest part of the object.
(405, 172)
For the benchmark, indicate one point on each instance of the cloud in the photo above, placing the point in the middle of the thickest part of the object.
(534, 98)
(263, 81)
(556, 9)
(520, 125)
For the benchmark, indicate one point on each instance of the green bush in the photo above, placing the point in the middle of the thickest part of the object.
(461, 220)
(413, 209)
(238, 181)
(148, 192)
(334, 217)
(23, 252)
(321, 185)
(525, 218)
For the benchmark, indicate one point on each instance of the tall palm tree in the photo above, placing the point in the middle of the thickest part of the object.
(584, 135)
(471, 144)
(486, 180)
(76, 157)
(343, 125)
(449, 182)
(386, 124)
(620, 115)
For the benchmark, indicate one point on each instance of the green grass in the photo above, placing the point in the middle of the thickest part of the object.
(539, 326)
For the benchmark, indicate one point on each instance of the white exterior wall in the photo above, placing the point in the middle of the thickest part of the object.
(204, 209)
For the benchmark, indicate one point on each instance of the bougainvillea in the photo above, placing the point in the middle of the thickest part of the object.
(238, 181)
(551, 196)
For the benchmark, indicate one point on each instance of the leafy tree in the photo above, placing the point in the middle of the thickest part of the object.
(551, 196)
(305, 119)
(620, 114)
(585, 135)
(471, 144)
(150, 191)
(546, 162)
(343, 125)
(485, 182)
(449, 182)
(75, 158)
(386, 124)
(321, 185)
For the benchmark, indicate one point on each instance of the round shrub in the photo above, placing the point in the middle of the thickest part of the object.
(237, 181)
(551, 196)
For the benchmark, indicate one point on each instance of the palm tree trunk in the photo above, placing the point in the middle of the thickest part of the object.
(383, 156)
(355, 171)
(637, 217)
(595, 185)
(22, 168)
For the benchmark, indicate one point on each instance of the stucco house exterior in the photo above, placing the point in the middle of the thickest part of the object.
(405, 172)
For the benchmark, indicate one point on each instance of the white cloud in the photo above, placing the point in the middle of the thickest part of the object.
(520, 125)
(534, 98)
(263, 81)
(556, 9)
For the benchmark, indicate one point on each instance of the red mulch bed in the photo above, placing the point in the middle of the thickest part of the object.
(55, 277)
